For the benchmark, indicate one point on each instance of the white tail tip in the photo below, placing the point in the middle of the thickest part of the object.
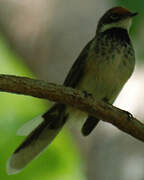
(9, 168)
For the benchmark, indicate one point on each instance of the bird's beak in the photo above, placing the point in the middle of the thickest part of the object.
(133, 14)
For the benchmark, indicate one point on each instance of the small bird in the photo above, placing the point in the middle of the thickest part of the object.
(102, 69)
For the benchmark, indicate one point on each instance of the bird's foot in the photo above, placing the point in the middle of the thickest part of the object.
(86, 94)
(129, 115)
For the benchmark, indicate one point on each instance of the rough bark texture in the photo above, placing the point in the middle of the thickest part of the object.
(42, 89)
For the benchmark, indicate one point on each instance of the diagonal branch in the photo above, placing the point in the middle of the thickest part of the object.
(42, 89)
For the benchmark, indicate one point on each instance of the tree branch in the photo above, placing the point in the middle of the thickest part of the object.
(42, 89)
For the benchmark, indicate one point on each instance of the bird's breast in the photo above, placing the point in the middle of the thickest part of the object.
(107, 70)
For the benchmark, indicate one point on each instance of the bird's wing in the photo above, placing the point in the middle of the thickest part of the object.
(77, 70)
(72, 80)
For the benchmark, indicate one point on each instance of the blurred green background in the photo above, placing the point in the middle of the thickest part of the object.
(61, 160)
(42, 39)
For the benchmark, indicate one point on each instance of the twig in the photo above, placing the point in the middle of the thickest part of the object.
(42, 89)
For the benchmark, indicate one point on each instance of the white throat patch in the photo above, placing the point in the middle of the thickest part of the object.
(125, 24)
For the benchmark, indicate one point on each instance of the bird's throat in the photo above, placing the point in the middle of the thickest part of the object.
(118, 34)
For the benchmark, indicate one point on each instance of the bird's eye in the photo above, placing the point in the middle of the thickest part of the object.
(114, 16)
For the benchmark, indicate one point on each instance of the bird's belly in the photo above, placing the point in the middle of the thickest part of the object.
(105, 82)
(102, 87)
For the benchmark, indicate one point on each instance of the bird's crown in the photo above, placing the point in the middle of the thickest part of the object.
(119, 10)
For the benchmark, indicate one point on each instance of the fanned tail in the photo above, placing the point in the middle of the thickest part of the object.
(38, 140)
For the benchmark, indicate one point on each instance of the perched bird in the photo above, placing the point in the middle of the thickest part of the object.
(102, 68)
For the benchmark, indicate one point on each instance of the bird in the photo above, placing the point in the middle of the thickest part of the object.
(102, 68)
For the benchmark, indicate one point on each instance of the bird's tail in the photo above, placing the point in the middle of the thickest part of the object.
(48, 127)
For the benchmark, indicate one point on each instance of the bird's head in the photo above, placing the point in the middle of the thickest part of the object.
(117, 17)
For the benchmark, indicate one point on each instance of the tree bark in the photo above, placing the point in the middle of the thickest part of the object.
(123, 120)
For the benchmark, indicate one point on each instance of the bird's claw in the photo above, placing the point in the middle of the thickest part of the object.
(129, 115)
(86, 94)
